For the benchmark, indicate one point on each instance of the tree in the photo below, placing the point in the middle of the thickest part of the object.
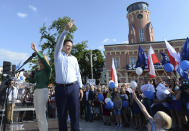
(86, 65)
(80, 52)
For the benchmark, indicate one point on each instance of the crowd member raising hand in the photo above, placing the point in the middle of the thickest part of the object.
(159, 122)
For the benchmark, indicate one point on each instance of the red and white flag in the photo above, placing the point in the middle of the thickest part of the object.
(152, 59)
(174, 57)
(114, 73)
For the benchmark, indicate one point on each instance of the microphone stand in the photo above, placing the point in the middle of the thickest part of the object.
(30, 58)
(5, 103)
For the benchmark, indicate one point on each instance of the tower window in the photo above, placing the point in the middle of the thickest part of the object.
(132, 18)
(132, 29)
(141, 34)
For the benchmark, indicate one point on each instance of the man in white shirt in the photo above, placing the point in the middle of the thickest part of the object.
(68, 82)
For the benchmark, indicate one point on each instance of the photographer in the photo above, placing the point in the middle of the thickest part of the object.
(12, 96)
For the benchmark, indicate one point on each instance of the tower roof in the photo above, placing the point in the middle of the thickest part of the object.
(137, 6)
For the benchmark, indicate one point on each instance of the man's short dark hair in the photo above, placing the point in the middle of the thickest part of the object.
(67, 41)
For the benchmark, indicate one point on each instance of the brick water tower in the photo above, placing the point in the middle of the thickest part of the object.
(140, 27)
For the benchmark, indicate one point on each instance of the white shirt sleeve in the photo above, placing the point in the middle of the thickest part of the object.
(59, 43)
(78, 75)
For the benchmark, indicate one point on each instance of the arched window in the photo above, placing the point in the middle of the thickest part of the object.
(141, 34)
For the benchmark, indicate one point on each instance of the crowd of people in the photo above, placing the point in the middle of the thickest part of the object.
(169, 96)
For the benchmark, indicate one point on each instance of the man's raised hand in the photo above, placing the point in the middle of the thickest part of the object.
(69, 25)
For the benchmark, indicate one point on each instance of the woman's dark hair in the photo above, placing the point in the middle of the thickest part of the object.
(68, 40)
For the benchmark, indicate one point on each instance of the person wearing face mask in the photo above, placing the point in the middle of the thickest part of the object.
(41, 78)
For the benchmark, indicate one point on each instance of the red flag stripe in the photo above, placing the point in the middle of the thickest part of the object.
(112, 75)
(172, 60)
(155, 59)
(151, 60)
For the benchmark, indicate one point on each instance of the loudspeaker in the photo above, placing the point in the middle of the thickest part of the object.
(6, 67)
(13, 68)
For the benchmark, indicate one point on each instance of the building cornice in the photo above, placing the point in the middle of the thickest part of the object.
(144, 43)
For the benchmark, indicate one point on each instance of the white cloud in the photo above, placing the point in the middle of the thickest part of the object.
(13, 57)
(33, 8)
(114, 40)
(105, 40)
(125, 42)
(22, 15)
(108, 40)
(101, 47)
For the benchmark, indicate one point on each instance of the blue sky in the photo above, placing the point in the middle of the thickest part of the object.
(99, 21)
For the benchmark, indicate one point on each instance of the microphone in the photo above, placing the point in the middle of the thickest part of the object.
(30, 58)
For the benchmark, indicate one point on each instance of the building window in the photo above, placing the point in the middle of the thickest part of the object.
(132, 18)
(114, 49)
(141, 34)
(132, 60)
(116, 62)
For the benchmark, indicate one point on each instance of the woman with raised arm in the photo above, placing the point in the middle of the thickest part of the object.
(41, 78)
(159, 122)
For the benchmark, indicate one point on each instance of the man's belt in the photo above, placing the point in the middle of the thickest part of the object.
(65, 85)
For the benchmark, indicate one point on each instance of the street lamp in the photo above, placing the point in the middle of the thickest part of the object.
(92, 57)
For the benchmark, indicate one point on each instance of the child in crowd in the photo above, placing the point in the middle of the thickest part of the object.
(117, 109)
(106, 112)
(97, 104)
(125, 107)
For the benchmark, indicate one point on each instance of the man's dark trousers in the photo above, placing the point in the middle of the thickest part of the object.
(67, 101)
